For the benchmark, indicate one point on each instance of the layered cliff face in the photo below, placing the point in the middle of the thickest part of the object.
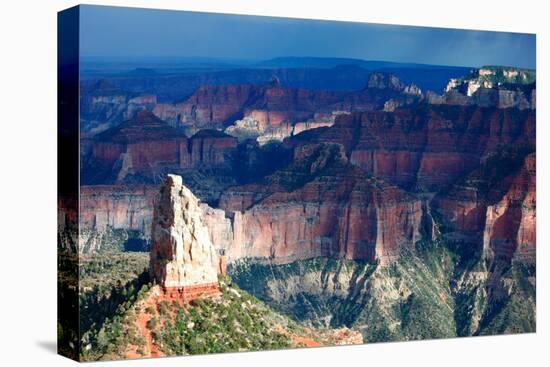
(320, 205)
(115, 217)
(271, 112)
(217, 105)
(283, 112)
(103, 106)
(266, 106)
(142, 102)
(182, 255)
(208, 148)
(257, 125)
(324, 203)
(493, 211)
(143, 145)
(144, 148)
(470, 272)
(427, 147)
(209, 107)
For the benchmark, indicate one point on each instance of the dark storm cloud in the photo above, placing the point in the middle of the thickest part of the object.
(113, 32)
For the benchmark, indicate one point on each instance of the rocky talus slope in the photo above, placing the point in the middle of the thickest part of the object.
(435, 291)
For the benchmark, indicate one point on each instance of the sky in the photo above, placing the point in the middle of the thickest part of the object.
(132, 33)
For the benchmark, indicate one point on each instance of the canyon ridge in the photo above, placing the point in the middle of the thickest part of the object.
(302, 206)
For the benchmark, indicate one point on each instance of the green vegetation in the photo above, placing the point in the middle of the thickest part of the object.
(439, 289)
(110, 283)
(112, 239)
(236, 322)
(111, 340)
(67, 300)
(112, 287)
(515, 313)
(103, 271)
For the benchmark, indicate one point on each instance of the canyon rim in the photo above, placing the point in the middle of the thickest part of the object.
(259, 198)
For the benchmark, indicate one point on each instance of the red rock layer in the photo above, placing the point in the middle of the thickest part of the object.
(336, 212)
(106, 151)
(146, 145)
(504, 221)
(189, 293)
(353, 225)
(427, 147)
(141, 144)
(67, 223)
(270, 105)
(117, 206)
(144, 155)
(208, 107)
(207, 148)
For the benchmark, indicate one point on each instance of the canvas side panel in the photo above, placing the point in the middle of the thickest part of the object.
(67, 182)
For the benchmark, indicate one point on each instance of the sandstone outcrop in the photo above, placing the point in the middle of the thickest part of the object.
(183, 259)
(491, 77)
(491, 87)
(251, 128)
